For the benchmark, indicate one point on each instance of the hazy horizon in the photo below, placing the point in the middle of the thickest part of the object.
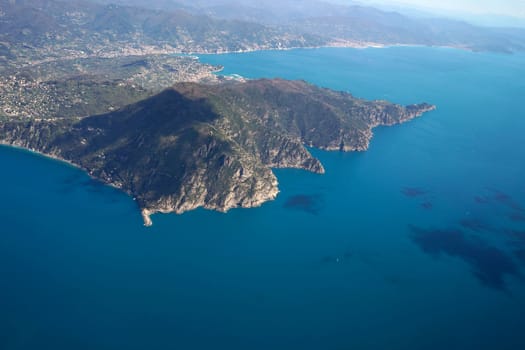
(504, 13)
(485, 12)
(514, 8)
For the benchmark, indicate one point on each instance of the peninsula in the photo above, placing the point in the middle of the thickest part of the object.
(210, 145)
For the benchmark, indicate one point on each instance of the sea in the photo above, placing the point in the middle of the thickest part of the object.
(417, 243)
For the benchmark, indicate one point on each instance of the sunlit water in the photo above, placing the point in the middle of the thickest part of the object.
(418, 243)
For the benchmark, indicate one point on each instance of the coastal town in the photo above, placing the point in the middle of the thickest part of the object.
(69, 87)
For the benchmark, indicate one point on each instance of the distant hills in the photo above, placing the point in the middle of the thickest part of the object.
(352, 23)
(85, 27)
(43, 29)
(371, 25)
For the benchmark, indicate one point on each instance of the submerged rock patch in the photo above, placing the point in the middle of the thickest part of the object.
(311, 204)
(413, 191)
(489, 264)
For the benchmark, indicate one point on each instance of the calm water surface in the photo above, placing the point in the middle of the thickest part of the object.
(418, 243)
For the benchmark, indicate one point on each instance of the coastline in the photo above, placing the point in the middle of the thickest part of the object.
(195, 54)
(65, 162)
(144, 212)
(44, 155)
(335, 45)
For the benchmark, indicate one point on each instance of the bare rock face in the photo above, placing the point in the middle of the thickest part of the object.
(211, 146)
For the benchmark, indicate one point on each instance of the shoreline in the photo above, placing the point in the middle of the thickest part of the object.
(145, 213)
(65, 162)
(334, 45)
(61, 160)
(171, 52)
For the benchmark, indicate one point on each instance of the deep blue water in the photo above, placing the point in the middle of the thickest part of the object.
(418, 243)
